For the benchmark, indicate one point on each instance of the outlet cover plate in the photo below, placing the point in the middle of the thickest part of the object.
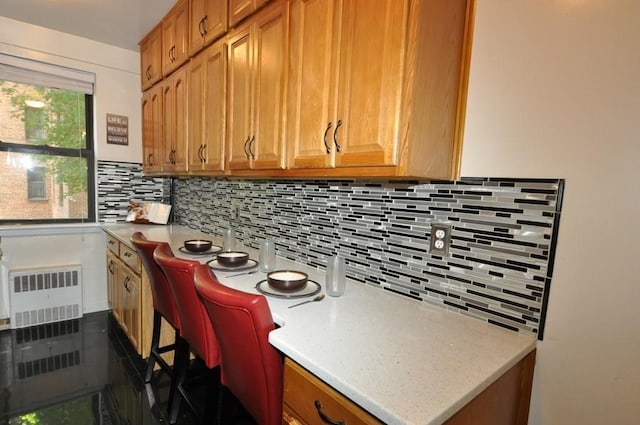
(440, 239)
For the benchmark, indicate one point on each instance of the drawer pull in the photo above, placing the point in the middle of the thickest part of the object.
(127, 254)
(324, 416)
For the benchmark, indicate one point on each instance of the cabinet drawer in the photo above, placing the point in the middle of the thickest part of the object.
(130, 257)
(113, 244)
(308, 399)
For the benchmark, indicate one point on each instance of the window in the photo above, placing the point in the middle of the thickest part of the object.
(37, 186)
(46, 143)
(34, 121)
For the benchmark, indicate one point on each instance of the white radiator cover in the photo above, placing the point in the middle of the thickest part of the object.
(45, 294)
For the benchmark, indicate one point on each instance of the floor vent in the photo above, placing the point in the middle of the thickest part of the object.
(44, 295)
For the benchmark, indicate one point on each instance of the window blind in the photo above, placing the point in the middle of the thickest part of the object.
(28, 71)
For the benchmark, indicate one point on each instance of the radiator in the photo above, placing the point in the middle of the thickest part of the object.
(44, 295)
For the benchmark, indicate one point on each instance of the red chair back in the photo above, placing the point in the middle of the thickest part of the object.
(163, 299)
(196, 325)
(251, 367)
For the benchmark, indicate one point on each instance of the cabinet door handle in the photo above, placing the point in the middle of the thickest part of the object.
(244, 147)
(204, 155)
(324, 417)
(110, 267)
(204, 25)
(201, 27)
(326, 145)
(335, 135)
(251, 145)
(126, 283)
(148, 72)
(150, 159)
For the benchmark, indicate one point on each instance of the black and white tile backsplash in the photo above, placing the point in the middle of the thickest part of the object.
(122, 182)
(503, 234)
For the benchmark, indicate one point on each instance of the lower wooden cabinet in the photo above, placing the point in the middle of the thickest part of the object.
(308, 400)
(505, 402)
(130, 299)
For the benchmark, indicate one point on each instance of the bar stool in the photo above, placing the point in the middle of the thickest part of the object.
(196, 329)
(163, 307)
(251, 368)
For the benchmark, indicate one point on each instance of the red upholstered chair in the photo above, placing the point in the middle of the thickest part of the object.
(251, 368)
(196, 329)
(164, 306)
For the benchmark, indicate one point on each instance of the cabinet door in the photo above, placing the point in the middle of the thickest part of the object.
(313, 60)
(369, 89)
(174, 121)
(175, 36)
(152, 129)
(112, 283)
(120, 296)
(215, 107)
(207, 21)
(196, 71)
(240, 9)
(239, 100)
(270, 49)
(131, 306)
(151, 58)
(206, 77)
(257, 67)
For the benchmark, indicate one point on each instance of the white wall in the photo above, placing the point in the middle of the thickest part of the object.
(555, 92)
(117, 91)
(117, 71)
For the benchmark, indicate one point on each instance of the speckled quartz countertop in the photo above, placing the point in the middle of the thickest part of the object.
(403, 361)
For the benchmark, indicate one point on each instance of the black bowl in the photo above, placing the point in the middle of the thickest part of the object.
(232, 258)
(287, 280)
(197, 245)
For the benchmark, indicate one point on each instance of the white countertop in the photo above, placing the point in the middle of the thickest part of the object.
(405, 362)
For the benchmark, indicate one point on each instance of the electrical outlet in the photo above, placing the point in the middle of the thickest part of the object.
(440, 239)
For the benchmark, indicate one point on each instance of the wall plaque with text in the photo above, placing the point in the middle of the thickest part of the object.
(117, 129)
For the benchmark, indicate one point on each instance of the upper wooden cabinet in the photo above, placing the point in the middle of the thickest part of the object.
(240, 9)
(174, 122)
(151, 58)
(357, 88)
(256, 88)
(207, 22)
(175, 37)
(206, 100)
(377, 91)
(152, 129)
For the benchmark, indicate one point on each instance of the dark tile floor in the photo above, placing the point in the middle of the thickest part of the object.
(85, 372)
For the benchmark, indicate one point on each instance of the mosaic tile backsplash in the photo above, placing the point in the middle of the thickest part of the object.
(122, 182)
(503, 235)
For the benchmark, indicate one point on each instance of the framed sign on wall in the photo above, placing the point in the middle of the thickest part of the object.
(117, 129)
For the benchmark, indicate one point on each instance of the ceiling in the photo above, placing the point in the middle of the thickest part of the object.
(120, 23)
